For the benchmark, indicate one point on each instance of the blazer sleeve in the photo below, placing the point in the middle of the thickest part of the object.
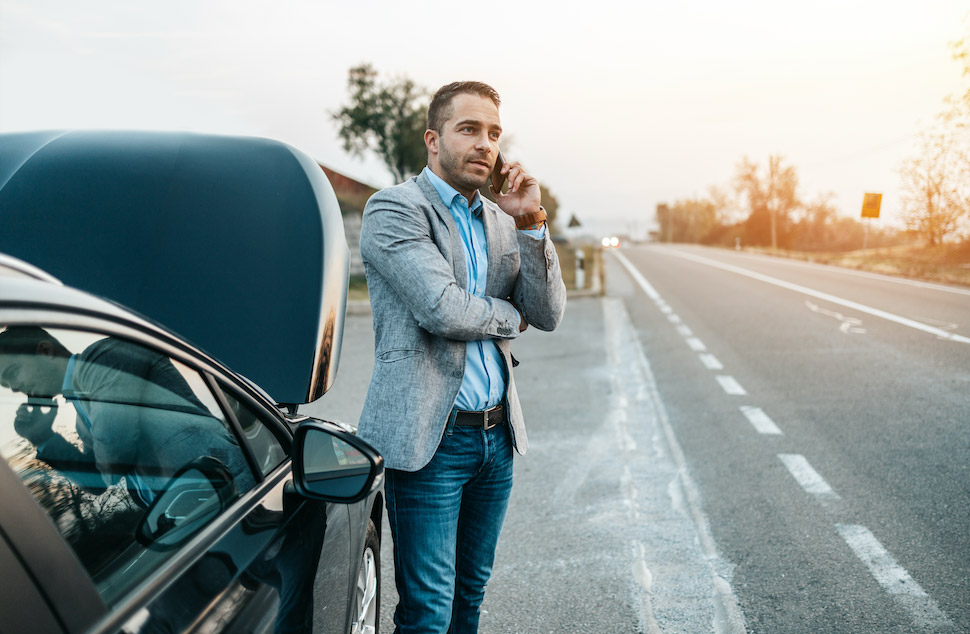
(396, 242)
(539, 291)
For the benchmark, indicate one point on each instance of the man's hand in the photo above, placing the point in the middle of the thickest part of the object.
(523, 196)
(33, 423)
(523, 324)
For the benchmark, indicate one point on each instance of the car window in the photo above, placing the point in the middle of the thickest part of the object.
(267, 449)
(122, 446)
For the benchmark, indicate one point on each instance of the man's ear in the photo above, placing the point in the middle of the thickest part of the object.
(45, 348)
(431, 141)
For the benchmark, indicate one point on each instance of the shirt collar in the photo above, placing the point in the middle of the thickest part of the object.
(448, 193)
(67, 388)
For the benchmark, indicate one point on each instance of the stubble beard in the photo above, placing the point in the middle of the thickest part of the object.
(453, 167)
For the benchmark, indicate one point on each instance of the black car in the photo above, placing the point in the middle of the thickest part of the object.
(146, 486)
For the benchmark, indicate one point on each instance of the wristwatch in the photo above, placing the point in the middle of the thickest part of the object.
(526, 221)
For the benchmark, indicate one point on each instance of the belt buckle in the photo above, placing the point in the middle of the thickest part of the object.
(487, 414)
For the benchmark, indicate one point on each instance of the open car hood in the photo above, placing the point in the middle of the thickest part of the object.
(234, 243)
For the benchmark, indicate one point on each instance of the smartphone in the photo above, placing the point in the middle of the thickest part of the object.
(498, 178)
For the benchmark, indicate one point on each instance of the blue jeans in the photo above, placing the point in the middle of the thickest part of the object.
(445, 521)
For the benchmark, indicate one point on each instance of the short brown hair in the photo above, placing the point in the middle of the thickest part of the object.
(440, 108)
(25, 339)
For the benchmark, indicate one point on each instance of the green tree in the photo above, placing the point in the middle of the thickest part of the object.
(771, 197)
(387, 118)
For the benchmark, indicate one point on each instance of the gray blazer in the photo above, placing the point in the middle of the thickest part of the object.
(423, 315)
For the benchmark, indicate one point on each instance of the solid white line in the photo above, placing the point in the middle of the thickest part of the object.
(903, 321)
(710, 361)
(730, 385)
(759, 420)
(831, 268)
(696, 344)
(807, 477)
(894, 579)
(637, 277)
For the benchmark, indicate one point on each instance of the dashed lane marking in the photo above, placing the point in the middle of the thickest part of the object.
(696, 344)
(807, 477)
(710, 361)
(730, 385)
(760, 421)
(894, 579)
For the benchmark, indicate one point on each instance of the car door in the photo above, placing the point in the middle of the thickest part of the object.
(172, 491)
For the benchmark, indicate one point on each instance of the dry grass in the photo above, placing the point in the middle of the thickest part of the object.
(948, 264)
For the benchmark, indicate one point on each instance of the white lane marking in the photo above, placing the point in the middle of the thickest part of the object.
(644, 578)
(849, 324)
(685, 330)
(674, 319)
(666, 309)
(696, 344)
(625, 348)
(730, 385)
(862, 308)
(710, 361)
(807, 477)
(637, 277)
(894, 579)
(900, 280)
(759, 420)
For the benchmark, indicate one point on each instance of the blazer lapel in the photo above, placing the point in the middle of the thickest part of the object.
(495, 247)
(456, 255)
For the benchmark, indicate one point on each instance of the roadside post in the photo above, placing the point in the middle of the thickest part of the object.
(870, 209)
(580, 269)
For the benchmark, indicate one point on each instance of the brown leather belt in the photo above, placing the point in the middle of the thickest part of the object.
(486, 419)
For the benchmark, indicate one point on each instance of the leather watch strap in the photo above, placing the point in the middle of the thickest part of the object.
(528, 220)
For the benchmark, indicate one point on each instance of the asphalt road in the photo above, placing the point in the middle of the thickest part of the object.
(825, 417)
(728, 443)
(603, 533)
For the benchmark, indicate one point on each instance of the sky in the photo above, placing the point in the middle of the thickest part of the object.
(616, 106)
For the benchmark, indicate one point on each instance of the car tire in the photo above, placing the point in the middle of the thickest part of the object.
(367, 591)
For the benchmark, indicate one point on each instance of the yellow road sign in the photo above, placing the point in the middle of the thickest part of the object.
(870, 205)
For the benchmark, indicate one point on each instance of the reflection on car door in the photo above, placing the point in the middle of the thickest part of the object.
(264, 559)
(260, 576)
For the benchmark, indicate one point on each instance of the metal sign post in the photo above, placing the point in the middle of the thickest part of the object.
(870, 209)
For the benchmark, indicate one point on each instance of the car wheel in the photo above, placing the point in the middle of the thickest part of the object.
(367, 602)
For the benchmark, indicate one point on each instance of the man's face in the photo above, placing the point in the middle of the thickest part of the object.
(35, 375)
(463, 153)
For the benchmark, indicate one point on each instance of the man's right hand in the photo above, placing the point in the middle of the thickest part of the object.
(35, 424)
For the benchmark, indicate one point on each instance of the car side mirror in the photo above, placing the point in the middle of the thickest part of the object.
(333, 465)
(192, 498)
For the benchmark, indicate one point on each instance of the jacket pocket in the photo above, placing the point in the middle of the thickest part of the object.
(390, 356)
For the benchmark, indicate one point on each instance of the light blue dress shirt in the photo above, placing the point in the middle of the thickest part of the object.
(483, 385)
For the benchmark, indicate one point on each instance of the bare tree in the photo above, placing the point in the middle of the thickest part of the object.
(935, 188)
(936, 182)
(771, 197)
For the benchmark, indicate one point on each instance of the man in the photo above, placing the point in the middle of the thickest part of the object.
(137, 418)
(453, 278)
